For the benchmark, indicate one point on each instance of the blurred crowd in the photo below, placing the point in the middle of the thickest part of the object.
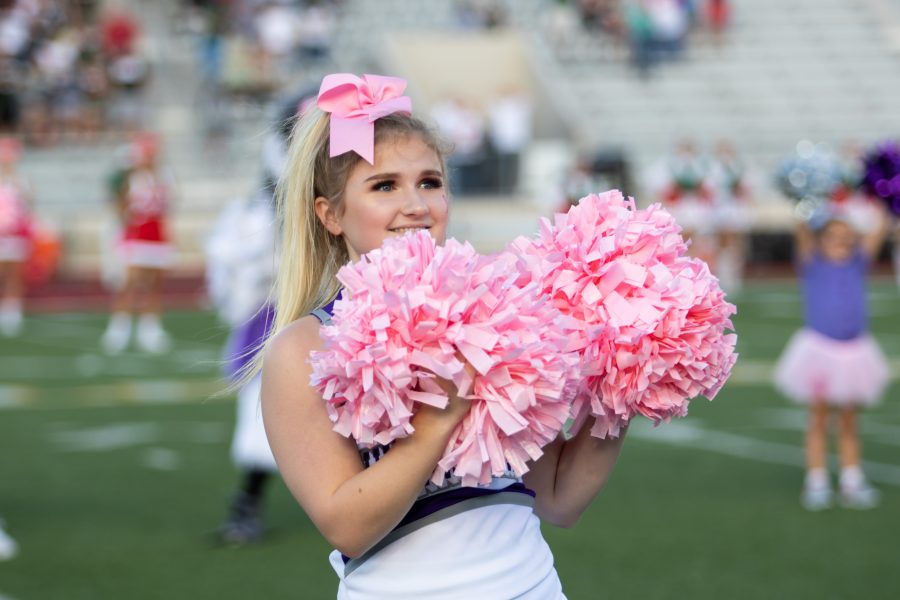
(652, 31)
(256, 47)
(488, 141)
(69, 71)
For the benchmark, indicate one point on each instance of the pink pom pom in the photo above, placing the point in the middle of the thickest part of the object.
(647, 322)
(411, 309)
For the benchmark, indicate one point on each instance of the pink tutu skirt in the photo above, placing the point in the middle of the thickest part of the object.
(815, 367)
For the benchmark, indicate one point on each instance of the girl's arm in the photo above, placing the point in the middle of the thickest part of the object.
(804, 243)
(570, 474)
(353, 507)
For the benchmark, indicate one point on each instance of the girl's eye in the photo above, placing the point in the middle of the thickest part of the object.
(383, 186)
(432, 183)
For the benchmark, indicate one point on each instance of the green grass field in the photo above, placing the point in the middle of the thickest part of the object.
(114, 471)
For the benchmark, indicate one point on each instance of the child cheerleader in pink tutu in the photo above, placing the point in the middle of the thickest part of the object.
(361, 169)
(833, 364)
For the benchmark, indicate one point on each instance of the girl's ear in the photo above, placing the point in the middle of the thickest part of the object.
(327, 215)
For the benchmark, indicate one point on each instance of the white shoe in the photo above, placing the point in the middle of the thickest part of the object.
(152, 338)
(861, 496)
(10, 323)
(116, 337)
(8, 546)
(817, 498)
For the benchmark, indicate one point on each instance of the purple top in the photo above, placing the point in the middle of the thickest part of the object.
(243, 343)
(834, 296)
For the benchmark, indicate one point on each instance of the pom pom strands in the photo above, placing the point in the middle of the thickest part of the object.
(411, 309)
(647, 322)
(882, 174)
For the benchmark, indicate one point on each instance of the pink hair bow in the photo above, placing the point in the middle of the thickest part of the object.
(355, 103)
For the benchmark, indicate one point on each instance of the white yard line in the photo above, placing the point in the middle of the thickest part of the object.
(49, 368)
(129, 392)
(108, 437)
(687, 434)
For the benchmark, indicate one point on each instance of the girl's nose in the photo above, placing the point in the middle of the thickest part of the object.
(415, 203)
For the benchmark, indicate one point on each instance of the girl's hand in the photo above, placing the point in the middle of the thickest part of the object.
(457, 406)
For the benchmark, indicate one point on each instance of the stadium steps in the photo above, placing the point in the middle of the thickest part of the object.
(789, 69)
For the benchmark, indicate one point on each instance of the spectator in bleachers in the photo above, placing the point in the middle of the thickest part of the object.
(93, 85)
(252, 48)
(56, 62)
(277, 27)
(509, 132)
(315, 31)
(119, 33)
(718, 18)
(464, 127)
(128, 70)
(10, 89)
(479, 14)
(602, 16)
(561, 23)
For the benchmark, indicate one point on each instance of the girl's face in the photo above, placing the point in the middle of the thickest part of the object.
(837, 241)
(403, 191)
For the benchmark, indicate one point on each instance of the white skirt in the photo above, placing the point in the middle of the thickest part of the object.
(493, 552)
(152, 255)
(250, 446)
(14, 248)
(693, 215)
(732, 216)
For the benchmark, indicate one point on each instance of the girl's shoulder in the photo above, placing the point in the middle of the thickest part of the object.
(295, 342)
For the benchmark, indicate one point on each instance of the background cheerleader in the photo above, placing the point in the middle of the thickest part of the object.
(241, 256)
(833, 364)
(731, 193)
(682, 183)
(142, 201)
(15, 237)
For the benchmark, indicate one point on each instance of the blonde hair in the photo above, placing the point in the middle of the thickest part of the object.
(310, 255)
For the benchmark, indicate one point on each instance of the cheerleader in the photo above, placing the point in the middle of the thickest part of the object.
(15, 237)
(241, 256)
(682, 185)
(361, 169)
(731, 205)
(142, 202)
(833, 364)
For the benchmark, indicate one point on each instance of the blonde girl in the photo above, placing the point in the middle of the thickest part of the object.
(361, 169)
